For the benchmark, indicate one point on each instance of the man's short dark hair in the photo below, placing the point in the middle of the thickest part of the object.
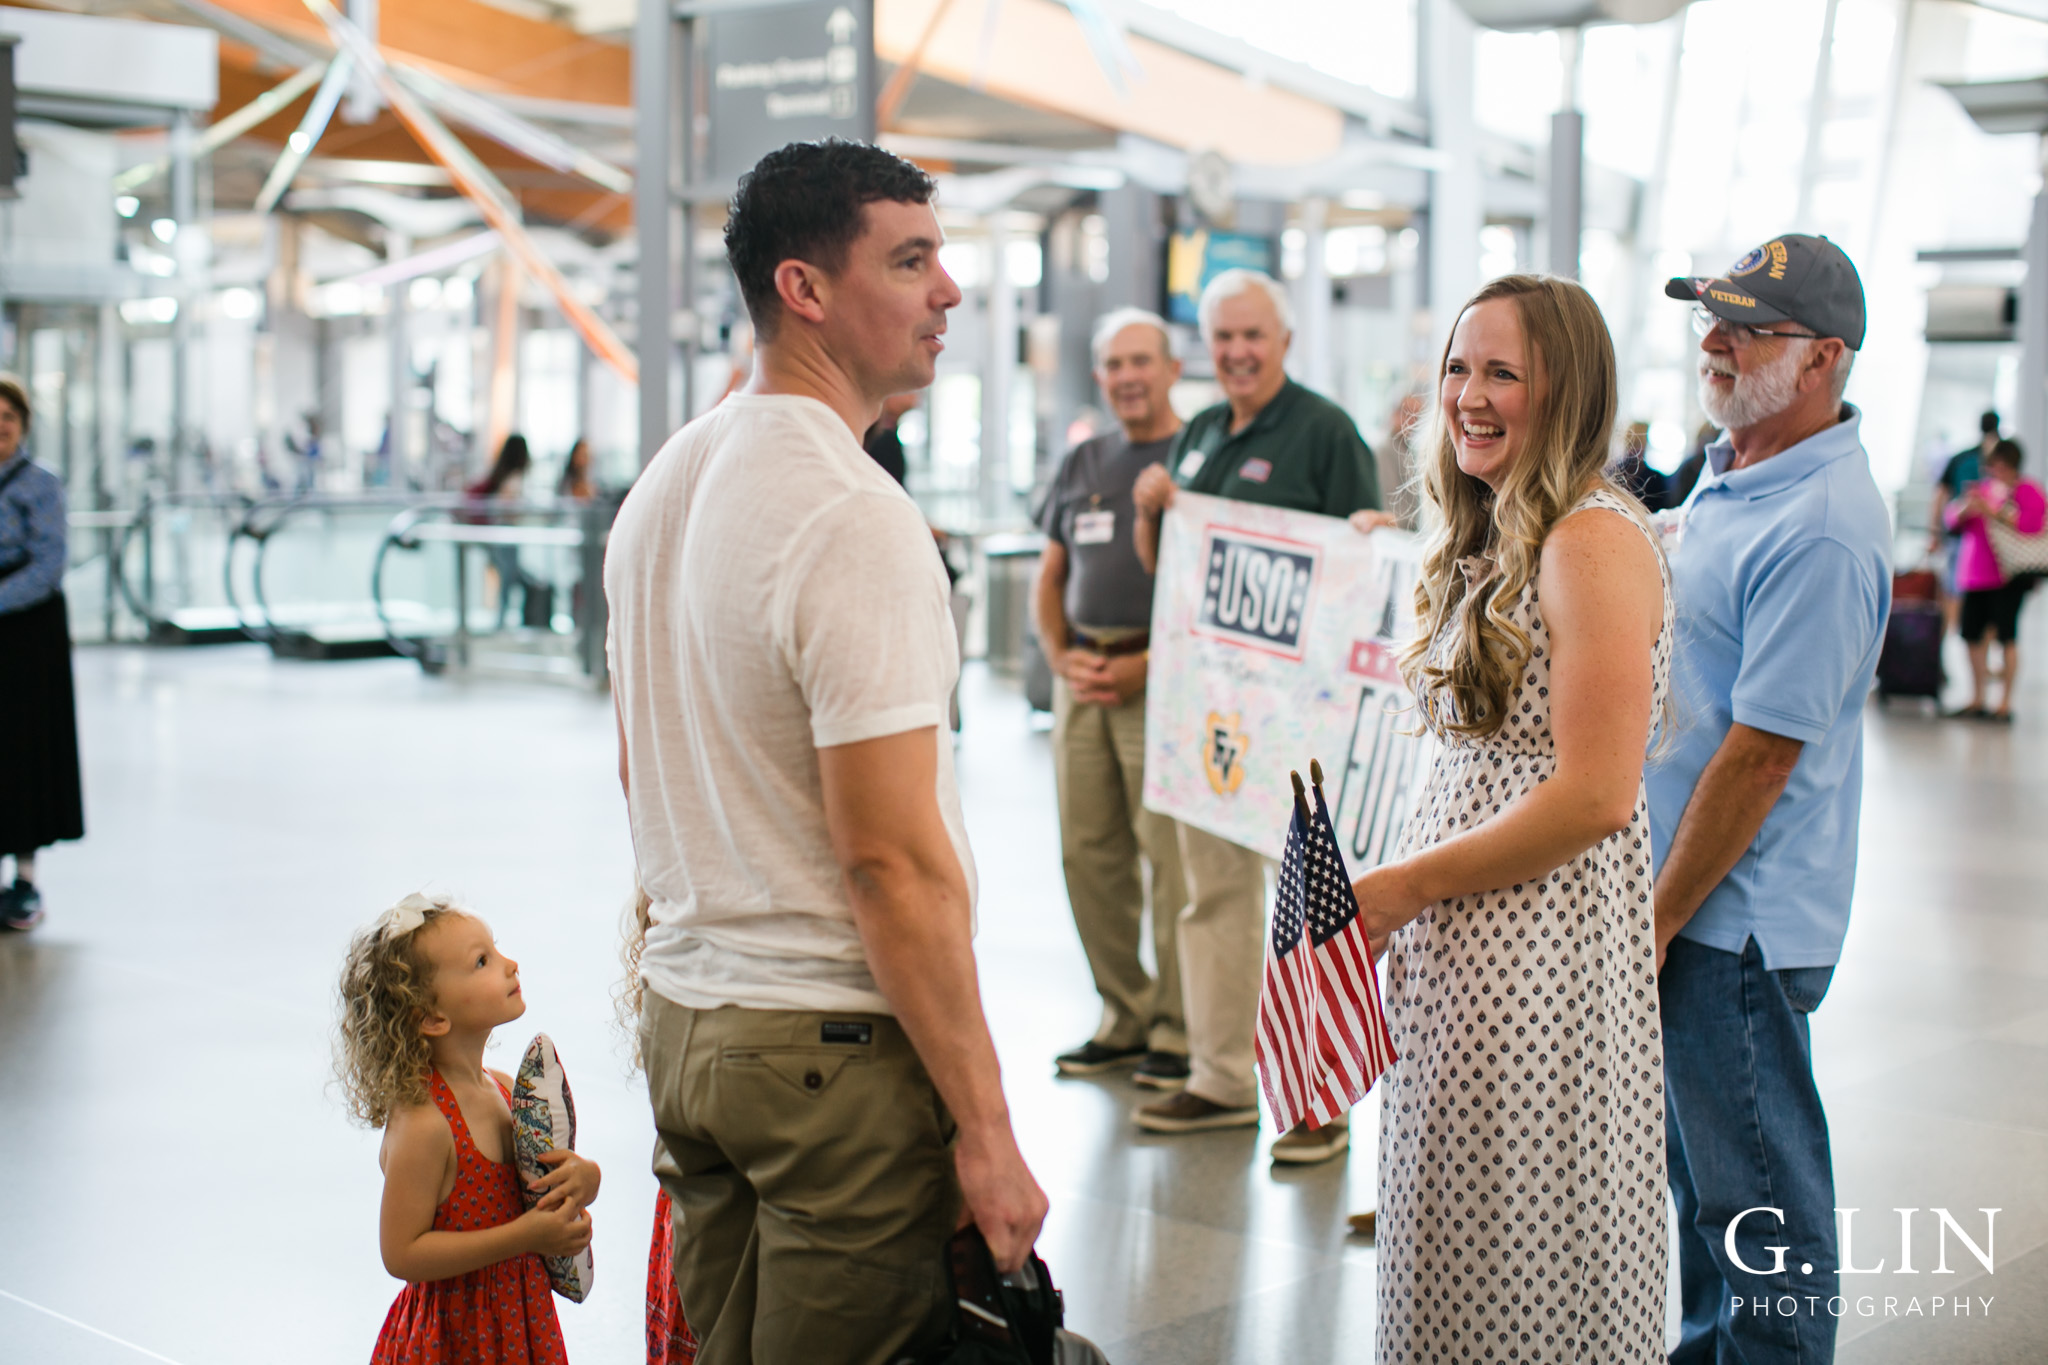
(803, 202)
(1988, 424)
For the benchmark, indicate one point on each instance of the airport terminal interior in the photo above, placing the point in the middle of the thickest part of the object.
(283, 280)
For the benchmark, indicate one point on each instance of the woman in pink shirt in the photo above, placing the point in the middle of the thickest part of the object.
(1991, 601)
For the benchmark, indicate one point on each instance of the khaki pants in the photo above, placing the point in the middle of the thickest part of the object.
(1222, 962)
(812, 1182)
(1098, 764)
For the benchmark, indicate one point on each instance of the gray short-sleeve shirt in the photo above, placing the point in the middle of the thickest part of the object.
(1090, 513)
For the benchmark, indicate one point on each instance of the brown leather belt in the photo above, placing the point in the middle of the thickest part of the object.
(1110, 649)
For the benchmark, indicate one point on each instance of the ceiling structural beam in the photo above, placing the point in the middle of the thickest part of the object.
(1383, 113)
(432, 261)
(265, 106)
(302, 141)
(272, 47)
(472, 43)
(508, 129)
(898, 89)
(565, 111)
(475, 180)
(1040, 58)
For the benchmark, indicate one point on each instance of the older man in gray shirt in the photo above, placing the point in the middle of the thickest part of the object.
(1094, 611)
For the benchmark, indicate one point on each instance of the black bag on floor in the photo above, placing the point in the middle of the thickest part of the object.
(1005, 1319)
(537, 605)
(1909, 665)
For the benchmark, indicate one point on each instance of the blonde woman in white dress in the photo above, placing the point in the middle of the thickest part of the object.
(1521, 1210)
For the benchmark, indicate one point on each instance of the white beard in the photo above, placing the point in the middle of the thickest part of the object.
(1760, 394)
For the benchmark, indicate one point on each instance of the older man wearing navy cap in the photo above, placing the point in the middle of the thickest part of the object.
(1783, 579)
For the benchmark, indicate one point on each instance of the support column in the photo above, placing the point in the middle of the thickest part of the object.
(655, 71)
(363, 103)
(1311, 349)
(184, 213)
(1456, 205)
(1567, 197)
(999, 366)
(1816, 120)
(398, 465)
(1130, 221)
(2033, 328)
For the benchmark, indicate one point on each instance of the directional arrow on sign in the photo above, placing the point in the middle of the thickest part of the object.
(840, 27)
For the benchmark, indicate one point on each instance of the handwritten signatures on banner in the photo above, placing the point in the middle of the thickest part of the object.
(1275, 640)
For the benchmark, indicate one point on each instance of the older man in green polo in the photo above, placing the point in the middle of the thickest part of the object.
(1270, 441)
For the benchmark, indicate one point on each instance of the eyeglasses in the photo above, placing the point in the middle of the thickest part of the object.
(1739, 333)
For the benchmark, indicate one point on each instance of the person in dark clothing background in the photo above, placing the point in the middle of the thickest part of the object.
(39, 783)
(882, 443)
(1633, 470)
(1678, 484)
(506, 483)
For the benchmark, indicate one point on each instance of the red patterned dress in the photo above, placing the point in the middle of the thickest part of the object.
(669, 1339)
(502, 1314)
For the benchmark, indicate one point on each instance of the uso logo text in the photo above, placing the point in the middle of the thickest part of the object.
(1257, 590)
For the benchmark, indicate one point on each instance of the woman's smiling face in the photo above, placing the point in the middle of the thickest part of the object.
(1487, 393)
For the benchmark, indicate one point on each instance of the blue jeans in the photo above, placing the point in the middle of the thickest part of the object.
(1744, 1130)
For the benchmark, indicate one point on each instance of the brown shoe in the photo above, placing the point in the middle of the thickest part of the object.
(1188, 1112)
(1304, 1145)
(1364, 1225)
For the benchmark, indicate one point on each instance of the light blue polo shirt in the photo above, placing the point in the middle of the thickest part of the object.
(1783, 582)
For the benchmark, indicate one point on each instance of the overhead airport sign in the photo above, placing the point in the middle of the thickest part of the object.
(784, 73)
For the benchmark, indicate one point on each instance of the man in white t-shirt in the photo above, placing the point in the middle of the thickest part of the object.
(782, 656)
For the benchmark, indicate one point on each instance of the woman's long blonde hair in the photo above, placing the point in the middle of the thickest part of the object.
(1468, 689)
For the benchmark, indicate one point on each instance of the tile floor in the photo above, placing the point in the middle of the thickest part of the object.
(187, 1190)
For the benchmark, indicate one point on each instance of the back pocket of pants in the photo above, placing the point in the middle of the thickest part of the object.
(807, 1070)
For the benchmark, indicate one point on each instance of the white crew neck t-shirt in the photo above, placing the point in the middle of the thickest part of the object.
(772, 592)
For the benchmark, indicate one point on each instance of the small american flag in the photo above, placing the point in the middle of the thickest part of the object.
(1322, 1040)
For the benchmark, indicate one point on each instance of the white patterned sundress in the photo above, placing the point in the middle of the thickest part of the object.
(1521, 1213)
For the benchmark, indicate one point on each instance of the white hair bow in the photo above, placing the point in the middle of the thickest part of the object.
(406, 916)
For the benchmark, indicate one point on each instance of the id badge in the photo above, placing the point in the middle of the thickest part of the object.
(1094, 528)
(1191, 463)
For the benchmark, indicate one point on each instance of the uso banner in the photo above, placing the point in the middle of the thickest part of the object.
(1274, 639)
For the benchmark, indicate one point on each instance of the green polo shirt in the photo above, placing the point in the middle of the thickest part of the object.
(1301, 452)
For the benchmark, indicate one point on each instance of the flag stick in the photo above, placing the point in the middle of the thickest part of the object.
(1300, 796)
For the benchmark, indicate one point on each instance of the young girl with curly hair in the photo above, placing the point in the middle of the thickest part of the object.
(420, 993)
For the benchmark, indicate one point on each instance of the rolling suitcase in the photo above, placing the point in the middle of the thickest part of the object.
(1909, 665)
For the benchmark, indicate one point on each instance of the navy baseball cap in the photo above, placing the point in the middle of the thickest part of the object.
(1794, 278)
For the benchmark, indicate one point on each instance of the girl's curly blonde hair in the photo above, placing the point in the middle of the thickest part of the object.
(631, 989)
(386, 993)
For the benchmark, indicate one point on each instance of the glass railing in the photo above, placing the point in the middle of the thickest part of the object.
(452, 582)
(496, 587)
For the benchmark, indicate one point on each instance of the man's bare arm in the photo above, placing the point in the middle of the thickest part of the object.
(1048, 603)
(909, 897)
(1729, 804)
(1152, 495)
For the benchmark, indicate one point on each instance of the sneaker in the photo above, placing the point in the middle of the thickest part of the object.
(21, 907)
(1364, 1225)
(1190, 1113)
(1162, 1071)
(1093, 1058)
(1304, 1145)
